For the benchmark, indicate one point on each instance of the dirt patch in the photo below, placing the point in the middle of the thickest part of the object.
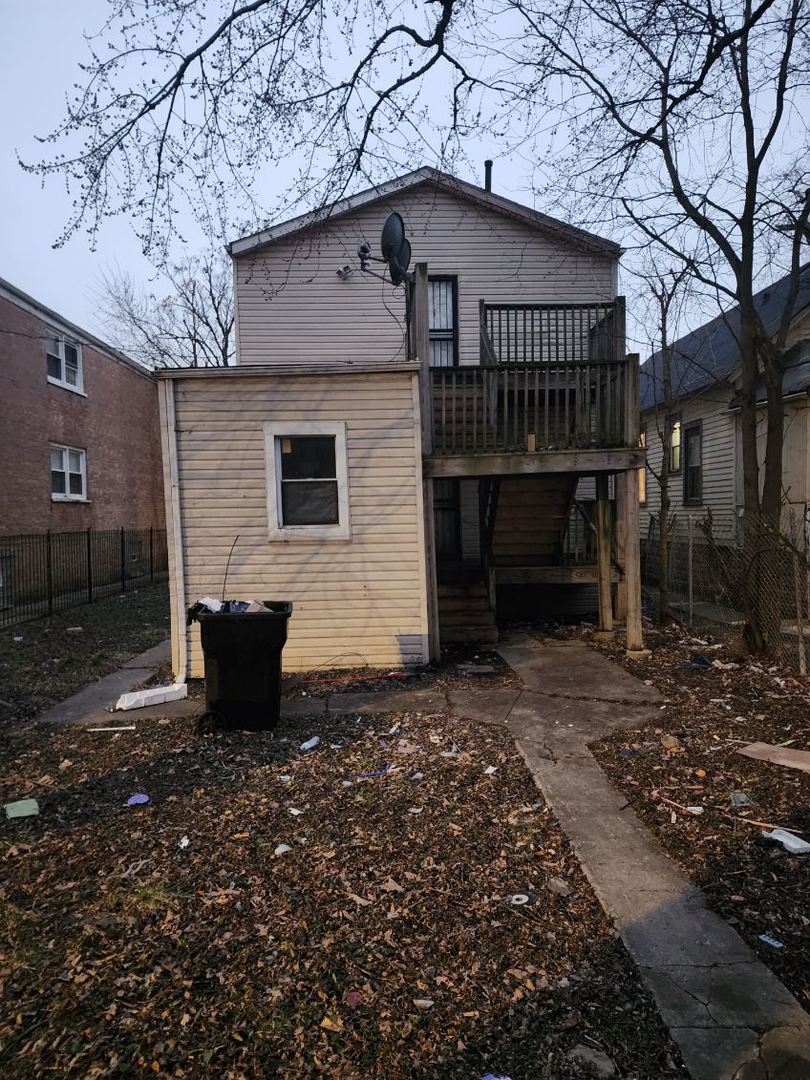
(689, 759)
(447, 673)
(171, 938)
(47, 660)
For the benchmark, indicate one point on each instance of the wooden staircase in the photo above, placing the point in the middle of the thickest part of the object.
(530, 519)
(465, 615)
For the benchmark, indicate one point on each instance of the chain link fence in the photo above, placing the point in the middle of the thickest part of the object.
(718, 583)
(43, 572)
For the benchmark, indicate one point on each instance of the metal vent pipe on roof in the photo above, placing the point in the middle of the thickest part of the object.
(488, 175)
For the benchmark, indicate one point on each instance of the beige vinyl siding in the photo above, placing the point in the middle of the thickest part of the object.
(719, 465)
(795, 460)
(292, 307)
(355, 601)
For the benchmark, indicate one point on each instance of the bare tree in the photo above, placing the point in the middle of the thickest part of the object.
(664, 117)
(188, 324)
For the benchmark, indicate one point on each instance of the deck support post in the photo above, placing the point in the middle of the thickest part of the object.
(620, 606)
(603, 554)
(420, 338)
(632, 561)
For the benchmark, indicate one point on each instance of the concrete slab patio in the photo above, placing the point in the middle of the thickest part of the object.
(730, 1015)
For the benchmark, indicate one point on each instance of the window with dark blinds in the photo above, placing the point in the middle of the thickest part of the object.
(442, 313)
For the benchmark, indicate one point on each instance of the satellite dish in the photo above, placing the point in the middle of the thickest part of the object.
(396, 250)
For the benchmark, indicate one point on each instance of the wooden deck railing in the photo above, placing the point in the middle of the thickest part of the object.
(551, 377)
(528, 407)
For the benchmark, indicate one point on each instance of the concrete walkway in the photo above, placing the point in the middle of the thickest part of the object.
(730, 1015)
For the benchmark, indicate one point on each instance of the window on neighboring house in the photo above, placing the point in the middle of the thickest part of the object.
(642, 472)
(675, 446)
(443, 319)
(307, 491)
(68, 474)
(693, 464)
(64, 360)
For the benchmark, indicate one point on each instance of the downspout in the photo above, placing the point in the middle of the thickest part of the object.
(171, 489)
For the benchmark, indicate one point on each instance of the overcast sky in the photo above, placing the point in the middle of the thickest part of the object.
(43, 45)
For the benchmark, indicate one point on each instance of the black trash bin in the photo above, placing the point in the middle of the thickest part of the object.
(242, 653)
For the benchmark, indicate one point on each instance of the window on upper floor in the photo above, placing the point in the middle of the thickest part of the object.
(675, 446)
(68, 474)
(307, 490)
(693, 464)
(64, 361)
(443, 319)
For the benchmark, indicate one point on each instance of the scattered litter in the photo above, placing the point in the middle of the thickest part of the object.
(772, 941)
(696, 810)
(521, 899)
(671, 742)
(125, 727)
(794, 844)
(423, 1003)
(157, 695)
(395, 728)
(286, 778)
(375, 773)
(627, 751)
(418, 776)
(739, 798)
(492, 1076)
(211, 604)
(347, 783)
(335, 746)
(415, 809)
(138, 799)
(405, 747)
(17, 638)
(537, 806)
(558, 887)
(282, 849)
(778, 755)
(75, 630)
(310, 744)
(450, 753)
(184, 842)
(598, 1061)
(724, 667)
(295, 813)
(697, 661)
(490, 770)
(22, 808)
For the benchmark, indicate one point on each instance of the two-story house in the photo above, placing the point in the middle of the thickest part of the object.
(395, 460)
(705, 465)
(79, 438)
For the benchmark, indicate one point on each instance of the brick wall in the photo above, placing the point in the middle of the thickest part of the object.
(116, 423)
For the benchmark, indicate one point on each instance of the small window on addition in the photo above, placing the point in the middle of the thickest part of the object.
(307, 494)
(68, 474)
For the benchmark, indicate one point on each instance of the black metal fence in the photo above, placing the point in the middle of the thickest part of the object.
(43, 572)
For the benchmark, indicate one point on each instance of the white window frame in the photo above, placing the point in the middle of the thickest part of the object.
(66, 495)
(273, 434)
(61, 340)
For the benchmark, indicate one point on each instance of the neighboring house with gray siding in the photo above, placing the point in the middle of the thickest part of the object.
(395, 483)
(706, 457)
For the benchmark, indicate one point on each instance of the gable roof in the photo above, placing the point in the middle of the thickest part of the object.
(557, 231)
(710, 354)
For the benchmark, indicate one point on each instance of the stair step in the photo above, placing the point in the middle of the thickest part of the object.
(457, 636)
(463, 618)
(477, 604)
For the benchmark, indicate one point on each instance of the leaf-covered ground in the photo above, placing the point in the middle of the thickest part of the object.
(689, 759)
(47, 660)
(171, 939)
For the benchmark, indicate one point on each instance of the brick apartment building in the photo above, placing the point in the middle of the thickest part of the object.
(79, 429)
